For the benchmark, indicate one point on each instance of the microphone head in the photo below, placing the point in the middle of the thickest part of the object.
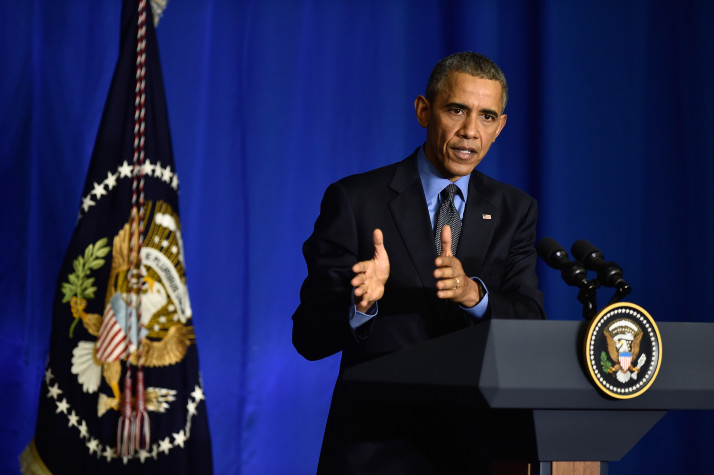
(552, 253)
(555, 256)
(585, 252)
(608, 273)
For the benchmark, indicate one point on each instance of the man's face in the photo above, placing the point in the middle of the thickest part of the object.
(461, 123)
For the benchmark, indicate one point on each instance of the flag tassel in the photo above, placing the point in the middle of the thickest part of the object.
(124, 447)
(141, 430)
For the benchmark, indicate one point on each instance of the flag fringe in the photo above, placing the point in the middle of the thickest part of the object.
(31, 463)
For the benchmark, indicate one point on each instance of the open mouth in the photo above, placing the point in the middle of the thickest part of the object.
(464, 151)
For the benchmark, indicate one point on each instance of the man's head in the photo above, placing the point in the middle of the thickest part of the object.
(470, 63)
(462, 112)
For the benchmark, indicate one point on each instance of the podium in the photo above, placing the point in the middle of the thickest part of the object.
(526, 384)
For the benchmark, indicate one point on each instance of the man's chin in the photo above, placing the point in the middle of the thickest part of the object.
(459, 168)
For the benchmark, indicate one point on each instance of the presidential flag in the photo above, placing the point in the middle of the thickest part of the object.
(121, 392)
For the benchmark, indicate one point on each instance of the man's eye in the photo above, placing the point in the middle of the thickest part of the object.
(489, 117)
(456, 110)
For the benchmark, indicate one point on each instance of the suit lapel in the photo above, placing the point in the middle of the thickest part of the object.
(413, 221)
(479, 223)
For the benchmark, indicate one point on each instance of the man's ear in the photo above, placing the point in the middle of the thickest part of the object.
(422, 109)
(502, 124)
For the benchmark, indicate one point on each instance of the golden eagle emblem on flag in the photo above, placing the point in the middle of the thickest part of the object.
(165, 309)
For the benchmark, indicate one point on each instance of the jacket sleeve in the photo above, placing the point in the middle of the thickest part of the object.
(321, 322)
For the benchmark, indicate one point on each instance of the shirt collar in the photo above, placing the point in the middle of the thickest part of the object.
(433, 182)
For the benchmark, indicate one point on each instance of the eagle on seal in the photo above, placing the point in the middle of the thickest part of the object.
(624, 351)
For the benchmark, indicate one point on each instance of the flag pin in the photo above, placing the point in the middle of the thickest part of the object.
(485, 216)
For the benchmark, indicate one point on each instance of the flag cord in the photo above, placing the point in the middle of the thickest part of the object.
(133, 428)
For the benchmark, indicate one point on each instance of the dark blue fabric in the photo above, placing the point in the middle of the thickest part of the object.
(609, 127)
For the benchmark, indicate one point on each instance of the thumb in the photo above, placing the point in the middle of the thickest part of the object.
(378, 239)
(446, 240)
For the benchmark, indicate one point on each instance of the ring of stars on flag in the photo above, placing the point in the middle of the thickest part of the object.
(126, 171)
(95, 447)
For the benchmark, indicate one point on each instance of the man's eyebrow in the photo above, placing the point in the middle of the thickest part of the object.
(457, 105)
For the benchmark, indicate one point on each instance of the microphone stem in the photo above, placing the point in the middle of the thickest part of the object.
(587, 296)
(623, 288)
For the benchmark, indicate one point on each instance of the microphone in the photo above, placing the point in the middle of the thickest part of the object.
(608, 273)
(555, 256)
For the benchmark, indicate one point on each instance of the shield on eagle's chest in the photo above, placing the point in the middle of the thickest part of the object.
(625, 359)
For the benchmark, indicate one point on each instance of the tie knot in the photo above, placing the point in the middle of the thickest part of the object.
(448, 193)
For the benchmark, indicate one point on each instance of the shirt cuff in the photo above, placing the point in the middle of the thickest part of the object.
(357, 318)
(478, 310)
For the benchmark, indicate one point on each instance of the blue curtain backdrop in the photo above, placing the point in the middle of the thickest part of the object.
(609, 127)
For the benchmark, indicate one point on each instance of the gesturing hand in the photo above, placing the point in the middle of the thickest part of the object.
(452, 282)
(371, 275)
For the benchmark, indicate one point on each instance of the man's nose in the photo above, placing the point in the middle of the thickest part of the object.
(469, 127)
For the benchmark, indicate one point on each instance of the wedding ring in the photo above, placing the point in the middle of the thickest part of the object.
(457, 283)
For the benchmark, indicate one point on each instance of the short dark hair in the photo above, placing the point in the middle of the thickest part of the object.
(470, 63)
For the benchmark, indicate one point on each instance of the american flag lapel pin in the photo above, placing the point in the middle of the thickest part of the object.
(485, 216)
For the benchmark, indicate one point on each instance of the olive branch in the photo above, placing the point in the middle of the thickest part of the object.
(605, 362)
(80, 286)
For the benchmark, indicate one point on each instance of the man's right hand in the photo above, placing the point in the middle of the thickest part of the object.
(371, 275)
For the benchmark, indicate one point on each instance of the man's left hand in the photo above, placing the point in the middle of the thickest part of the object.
(452, 283)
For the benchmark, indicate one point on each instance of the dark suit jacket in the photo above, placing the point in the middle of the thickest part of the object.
(496, 245)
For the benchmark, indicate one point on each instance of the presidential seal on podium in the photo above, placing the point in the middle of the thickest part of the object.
(623, 350)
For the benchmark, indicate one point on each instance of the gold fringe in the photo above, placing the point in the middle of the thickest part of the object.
(157, 8)
(31, 463)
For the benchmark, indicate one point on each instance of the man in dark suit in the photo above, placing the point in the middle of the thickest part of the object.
(384, 272)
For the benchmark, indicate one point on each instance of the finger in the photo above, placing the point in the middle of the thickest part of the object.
(446, 240)
(447, 266)
(450, 283)
(445, 263)
(446, 294)
(361, 267)
(447, 290)
(443, 271)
